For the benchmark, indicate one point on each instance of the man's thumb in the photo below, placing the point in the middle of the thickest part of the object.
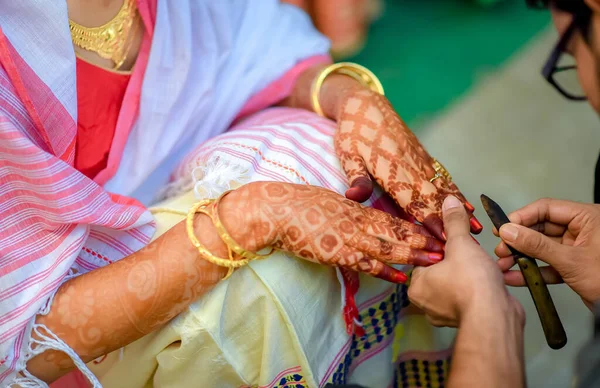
(456, 219)
(531, 243)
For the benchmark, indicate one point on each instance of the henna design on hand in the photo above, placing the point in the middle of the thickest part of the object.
(372, 141)
(324, 227)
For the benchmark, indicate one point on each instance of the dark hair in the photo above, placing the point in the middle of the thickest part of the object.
(578, 8)
(572, 6)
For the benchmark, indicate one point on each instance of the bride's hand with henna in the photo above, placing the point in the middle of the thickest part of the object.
(373, 142)
(321, 226)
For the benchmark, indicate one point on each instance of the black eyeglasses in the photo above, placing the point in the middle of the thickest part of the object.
(560, 70)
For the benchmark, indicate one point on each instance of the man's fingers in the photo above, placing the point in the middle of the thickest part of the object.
(502, 250)
(456, 218)
(506, 263)
(515, 278)
(534, 244)
(554, 210)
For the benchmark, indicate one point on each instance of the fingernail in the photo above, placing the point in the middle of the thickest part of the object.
(400, 277)
(444, 236)
(425, 259)
(435, 257)
(451, 202)
(509, 232)
(476, 226)
(469, 207)
(474, 239)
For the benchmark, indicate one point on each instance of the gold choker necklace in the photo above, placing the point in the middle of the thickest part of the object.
(109, 40)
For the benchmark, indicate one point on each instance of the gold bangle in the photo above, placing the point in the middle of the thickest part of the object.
(358, 72)
(228, 240)
(230, 263)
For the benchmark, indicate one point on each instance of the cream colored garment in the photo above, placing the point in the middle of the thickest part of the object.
(269, 322)
(277, 322)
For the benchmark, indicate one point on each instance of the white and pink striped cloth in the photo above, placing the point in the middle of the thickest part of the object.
(202, 63)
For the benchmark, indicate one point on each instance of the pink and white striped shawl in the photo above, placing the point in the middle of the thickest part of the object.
(201, 64)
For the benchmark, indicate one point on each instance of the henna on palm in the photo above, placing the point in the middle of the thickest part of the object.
(372, 141)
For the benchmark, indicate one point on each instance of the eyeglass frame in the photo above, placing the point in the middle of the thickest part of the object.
(550, 68)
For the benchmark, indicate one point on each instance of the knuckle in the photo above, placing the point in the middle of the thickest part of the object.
(534, 241)
(414, 293)
(543, 201)
(455, 216)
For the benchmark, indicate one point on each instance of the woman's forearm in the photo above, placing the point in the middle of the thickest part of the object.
(106, 309)
(489, 348)
(333, 92)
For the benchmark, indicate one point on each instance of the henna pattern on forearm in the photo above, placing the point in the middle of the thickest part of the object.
(108, 308)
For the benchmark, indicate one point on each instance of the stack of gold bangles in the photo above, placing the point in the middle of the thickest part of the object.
(237, 256)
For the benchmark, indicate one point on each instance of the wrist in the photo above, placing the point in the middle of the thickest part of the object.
(207, 235)
(336, 89)
(239, 212)
(493, 306)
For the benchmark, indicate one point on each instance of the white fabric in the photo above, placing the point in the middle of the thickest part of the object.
(41, 26)
(208, 57)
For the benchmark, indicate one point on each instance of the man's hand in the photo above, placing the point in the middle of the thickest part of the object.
(466, 290)
(564, 234)
(465, 280)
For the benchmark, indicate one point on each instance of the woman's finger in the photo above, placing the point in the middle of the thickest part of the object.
(387, 227)
(470, 208)
(515, 278)
(361, 185)
(476, 226)
(381, 217)
(433, 222)
(444, 186)
(354, 260)
(393, 253)
(380, 270)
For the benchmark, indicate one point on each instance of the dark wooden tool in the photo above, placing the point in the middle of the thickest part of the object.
(553, 328)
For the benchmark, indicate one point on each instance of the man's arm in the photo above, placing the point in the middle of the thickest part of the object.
(489, 347)
(467, 291)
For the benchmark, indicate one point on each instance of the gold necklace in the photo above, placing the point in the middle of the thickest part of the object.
(109, 40)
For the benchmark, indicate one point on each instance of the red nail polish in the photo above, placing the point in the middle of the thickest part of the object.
(435, 246)
(474, 239)
(400, 277)
(435, 257)
(476, 226)
(469, 207)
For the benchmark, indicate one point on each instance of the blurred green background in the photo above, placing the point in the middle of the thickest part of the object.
(428, 53)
